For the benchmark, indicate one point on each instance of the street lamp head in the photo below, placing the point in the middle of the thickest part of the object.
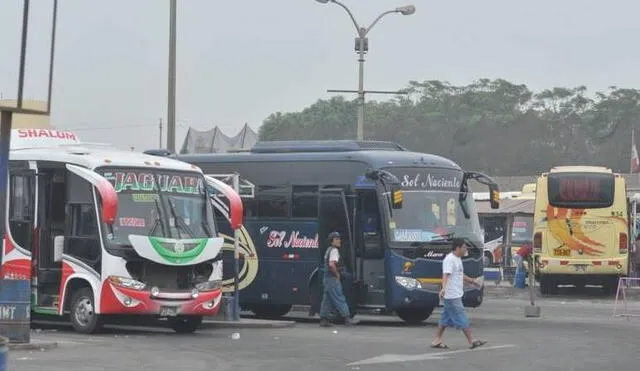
(404, 10)
(323, 1)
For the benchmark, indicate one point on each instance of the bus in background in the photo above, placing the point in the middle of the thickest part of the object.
(519, 206)
(101, 232)
(581, 228)
(397, 210)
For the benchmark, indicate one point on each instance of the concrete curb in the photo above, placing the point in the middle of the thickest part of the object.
(248, 324)
(34, 345)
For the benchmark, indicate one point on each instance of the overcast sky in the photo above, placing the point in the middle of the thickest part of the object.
(239, 61)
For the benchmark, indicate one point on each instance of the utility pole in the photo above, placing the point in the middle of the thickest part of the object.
(362, 46)
(171, 117)
(160, 133)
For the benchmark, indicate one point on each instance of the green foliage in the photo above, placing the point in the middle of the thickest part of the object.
(490, 125)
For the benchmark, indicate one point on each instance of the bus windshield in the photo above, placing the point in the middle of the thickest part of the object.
(429, 215)
(433, 207)
(178, 208)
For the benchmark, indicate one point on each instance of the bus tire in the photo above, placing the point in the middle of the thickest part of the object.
(184, 324)
(547, 286)
(270, 311)
(83, 316)
(610, 286)
(414, 316)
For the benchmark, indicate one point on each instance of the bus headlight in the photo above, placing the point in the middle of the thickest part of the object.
(129, 283)
(209, 286)
(408, 282)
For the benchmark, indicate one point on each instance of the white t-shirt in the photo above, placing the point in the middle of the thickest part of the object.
(334, 255)
(455, 284)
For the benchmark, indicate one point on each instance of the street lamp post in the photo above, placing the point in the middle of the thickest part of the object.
(362, 46)
(171, 105)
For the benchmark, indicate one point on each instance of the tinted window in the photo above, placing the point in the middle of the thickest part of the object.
(273, 201)
(83, 241)
(305, 202)
(580, 190)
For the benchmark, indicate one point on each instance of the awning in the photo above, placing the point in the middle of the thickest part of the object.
(507, 206)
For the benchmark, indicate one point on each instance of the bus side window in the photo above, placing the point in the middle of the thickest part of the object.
(83, 241)
(369, 221)
(20, 210)
(304, 202)
(82, 237)
(273, 202)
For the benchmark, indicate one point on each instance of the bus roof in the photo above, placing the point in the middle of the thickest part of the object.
(580, 169)
(376, 154)
(66, 147)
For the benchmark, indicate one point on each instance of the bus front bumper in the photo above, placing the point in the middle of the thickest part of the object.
(613, 266)
(121, 300)
(408, 292)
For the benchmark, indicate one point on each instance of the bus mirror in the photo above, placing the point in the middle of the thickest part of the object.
(494, 196)
(396, 198)
(58, 246)
(371, 174)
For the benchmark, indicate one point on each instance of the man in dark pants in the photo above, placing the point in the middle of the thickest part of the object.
(333, 295)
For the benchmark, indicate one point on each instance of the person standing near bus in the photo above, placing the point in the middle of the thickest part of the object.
(453, 314)
(333, 296)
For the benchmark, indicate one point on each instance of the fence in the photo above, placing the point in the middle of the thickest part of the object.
(625, 283)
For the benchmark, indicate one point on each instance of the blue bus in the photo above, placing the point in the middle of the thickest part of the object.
(397, 210)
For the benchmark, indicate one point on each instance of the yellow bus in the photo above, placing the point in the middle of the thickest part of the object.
(581, 228)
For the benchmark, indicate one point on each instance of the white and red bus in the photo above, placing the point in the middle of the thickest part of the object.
(100, 231)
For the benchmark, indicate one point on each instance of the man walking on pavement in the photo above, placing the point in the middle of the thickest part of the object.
(453, 314)
(333, 296)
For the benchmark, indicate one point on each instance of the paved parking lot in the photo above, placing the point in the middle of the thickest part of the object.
(573, 334)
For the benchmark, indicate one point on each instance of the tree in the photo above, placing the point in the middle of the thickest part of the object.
(490, 125)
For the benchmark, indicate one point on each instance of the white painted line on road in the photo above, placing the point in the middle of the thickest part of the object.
(396, 358)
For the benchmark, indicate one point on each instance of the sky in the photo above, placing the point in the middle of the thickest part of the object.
(239, 61)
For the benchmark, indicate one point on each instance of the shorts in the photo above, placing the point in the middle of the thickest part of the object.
(453, 314)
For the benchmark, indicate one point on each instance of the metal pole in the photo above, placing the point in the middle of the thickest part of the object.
(360, 129)
(23, 50)
(160, 133)
(52, 53)
(236, 260)
(171, 117)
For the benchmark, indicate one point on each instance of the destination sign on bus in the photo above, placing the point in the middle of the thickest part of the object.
(141, 181)
(428, 179)
(586, 190)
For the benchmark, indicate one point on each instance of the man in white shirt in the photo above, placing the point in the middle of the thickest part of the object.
(453, 314)
(333, 296)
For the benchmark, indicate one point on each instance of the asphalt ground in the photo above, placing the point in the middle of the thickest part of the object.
(571, 334)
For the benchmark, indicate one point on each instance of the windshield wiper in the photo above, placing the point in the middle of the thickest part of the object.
(158, 220)
(464, 192)
(178, 219)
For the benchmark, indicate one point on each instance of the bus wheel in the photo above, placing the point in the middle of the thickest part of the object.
(547, 286)
(184, 324)
(83, 316)
(273, 311)
(610, 286)
(414, 316)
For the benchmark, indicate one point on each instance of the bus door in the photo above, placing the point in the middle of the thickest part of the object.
(21, 214)
(51, 223)
(369, 248)
(333, 215)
